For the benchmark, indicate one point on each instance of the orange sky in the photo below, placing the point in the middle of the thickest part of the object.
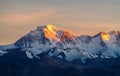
(18, 17)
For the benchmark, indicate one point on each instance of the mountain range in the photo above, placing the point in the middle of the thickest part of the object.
(49, 46)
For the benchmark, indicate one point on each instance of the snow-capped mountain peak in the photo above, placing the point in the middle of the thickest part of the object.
(51, 32)
(62, 44)
(105, 36)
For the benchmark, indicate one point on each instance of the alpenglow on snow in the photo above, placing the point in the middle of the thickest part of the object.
(64, 45)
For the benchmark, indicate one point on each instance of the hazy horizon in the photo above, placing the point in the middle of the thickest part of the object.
(83, 17)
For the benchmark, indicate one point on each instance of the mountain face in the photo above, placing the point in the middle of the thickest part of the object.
(51, 51)
(62, 44)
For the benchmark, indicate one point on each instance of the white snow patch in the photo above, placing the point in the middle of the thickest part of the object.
(29, 55)
(2, 52)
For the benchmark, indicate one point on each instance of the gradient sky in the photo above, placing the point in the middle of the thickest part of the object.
(18, 17)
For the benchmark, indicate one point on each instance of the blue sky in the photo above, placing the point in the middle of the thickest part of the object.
(18, 17)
